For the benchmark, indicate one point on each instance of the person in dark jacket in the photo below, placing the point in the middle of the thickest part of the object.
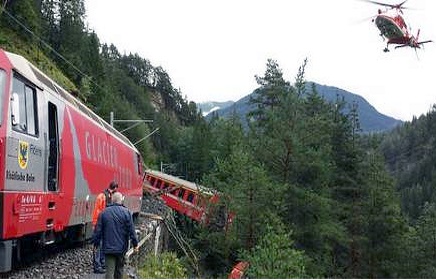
(115, 227)
(101, 201)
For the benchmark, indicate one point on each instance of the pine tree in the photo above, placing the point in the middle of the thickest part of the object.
(26, 19)
(384, 227)
(71, 35)
(294, 141)
(275, 256)
(50, 24)
(272, 87)
(426, 242)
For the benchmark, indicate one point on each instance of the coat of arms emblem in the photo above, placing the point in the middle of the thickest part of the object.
(23, 154)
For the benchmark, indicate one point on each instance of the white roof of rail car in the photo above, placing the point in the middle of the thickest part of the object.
(28, 70)
(22, 66)
(181, 182)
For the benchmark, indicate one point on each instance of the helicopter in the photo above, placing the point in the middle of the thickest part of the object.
(393, 27)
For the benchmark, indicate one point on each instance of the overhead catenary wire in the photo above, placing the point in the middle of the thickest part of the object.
(27, 29)
(183, 244)
(172, 228)
(3, 9)
(3, 6)
(170, 225)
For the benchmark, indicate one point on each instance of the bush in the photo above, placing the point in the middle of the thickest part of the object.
(164, 266)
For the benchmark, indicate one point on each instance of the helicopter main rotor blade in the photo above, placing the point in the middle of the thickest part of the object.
(364, 19)
(392, 6)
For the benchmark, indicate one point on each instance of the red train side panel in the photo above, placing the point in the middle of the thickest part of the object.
(56, 156)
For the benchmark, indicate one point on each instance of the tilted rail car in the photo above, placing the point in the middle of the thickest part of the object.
(56, 156)
(195, 201)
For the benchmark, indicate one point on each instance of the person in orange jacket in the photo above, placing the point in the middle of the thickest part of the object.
(101, 201)
(115, 228)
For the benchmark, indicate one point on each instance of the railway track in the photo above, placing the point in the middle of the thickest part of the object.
(74, 261)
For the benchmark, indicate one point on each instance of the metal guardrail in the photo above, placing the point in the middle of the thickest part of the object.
(130, 263)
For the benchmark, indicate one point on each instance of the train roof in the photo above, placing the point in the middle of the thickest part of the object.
(178, 181)
(41, 80)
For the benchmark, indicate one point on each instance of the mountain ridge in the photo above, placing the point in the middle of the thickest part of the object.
(371, 120)
(211, 106)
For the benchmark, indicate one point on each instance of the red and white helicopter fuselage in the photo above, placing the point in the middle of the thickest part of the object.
(393, 27)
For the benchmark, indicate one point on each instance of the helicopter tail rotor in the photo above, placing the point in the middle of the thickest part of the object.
(416, 43)
(424, 42)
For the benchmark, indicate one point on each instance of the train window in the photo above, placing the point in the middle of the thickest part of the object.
(2, 90)
(24, 115)
(190, 197)
(152, 180)
(159, 184)
(181, 193)
(31, 110)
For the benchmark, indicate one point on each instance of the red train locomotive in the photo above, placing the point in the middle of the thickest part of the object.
(197, 202)
(56, 156)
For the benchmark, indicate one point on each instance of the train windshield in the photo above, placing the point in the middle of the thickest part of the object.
(2, 92)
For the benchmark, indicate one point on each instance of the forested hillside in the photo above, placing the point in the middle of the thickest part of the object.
(312, 196)
(410, 156)
(305, 181)
(54, 36)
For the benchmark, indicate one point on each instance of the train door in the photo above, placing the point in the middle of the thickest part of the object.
(53, 148)
(53, 202)
(55, 199)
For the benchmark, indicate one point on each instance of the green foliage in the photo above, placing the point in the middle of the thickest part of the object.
(164, 266)
(295, 142)
(216, 252)
(303, 164)
(21, 16)
(268, 96)
(228, 135)
(410, 155)
(246, 188)
(105, 80)
(199, 157)
(425, 253)
(249, 189)
(275, 257)
(385, 228)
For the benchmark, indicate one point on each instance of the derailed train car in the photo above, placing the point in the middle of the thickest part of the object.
(197, 202)
(56, 156)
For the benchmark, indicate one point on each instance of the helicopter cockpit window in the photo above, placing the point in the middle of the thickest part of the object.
(24, 117)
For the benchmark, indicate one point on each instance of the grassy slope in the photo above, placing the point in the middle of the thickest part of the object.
(10, 42)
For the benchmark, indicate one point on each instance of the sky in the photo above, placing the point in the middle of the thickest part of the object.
(212, 50)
